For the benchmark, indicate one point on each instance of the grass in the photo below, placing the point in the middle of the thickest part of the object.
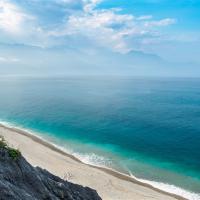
(13, 153)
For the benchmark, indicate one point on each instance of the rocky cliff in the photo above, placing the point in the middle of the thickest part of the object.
(21, 181)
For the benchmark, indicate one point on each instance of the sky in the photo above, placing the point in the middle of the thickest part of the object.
(111, 36)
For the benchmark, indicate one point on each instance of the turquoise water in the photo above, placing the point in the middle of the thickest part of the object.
(149, 128)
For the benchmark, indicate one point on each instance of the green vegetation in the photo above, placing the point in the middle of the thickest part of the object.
(13, 153)
(3, 143)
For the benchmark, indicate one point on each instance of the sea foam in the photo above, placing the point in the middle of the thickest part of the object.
(170, 188)
(93, 159)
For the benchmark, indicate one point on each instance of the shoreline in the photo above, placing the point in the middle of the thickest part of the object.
(108, 171)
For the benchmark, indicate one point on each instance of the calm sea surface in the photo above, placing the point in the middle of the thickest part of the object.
(149, 128)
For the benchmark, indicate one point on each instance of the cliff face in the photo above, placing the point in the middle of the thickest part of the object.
(21, 181)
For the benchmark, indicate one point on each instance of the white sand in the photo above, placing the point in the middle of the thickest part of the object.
(109, 184)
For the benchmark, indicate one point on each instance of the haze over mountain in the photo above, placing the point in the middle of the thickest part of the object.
(35, 61)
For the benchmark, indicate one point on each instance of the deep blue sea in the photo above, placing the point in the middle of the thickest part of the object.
(145, 127)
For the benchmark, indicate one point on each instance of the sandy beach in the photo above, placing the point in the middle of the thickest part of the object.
(109, 184)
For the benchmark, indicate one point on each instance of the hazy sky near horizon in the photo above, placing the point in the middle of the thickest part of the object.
(167, 28)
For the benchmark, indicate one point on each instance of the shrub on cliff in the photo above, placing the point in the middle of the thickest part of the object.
(13, 153)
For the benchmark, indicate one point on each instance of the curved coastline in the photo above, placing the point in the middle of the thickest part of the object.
(130, 178)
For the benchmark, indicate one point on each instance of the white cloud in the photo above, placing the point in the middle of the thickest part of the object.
(98, 26)
(109, 28)
(103, 27)
(9, 59)
(145, 17)
(162, 22)
(99, 19)
(11, 17)
(2, 59)
(89, 5)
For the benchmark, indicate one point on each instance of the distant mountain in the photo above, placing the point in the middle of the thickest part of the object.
(141, 57)
(67, 60)
(19, 46)
(141, 54)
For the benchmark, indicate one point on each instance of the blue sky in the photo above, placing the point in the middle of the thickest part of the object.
(166, 28)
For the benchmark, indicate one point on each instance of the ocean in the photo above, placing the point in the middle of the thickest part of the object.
(148, 128)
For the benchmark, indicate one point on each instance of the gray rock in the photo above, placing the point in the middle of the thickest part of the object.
(21, 181)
